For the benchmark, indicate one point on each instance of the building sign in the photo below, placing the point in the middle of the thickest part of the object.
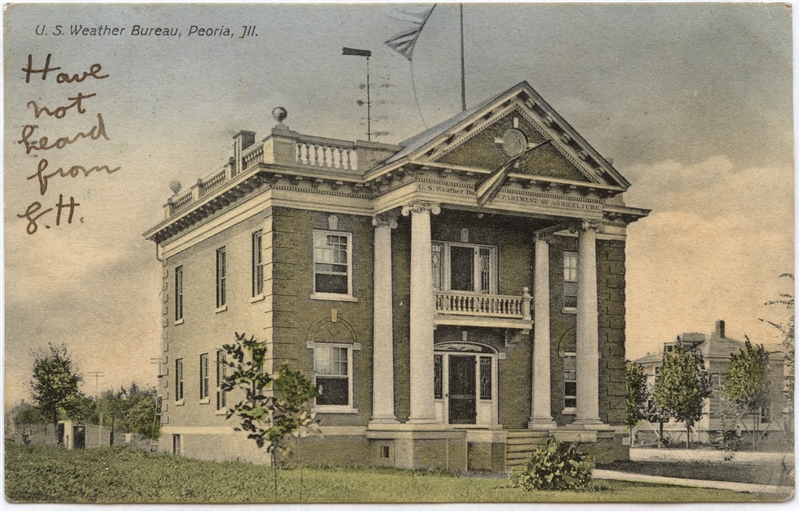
(520, 197)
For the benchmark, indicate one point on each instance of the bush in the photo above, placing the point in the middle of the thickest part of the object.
(554, 467)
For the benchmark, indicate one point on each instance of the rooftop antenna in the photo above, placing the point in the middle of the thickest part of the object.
(367, 54)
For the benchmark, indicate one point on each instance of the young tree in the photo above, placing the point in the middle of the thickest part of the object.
(747, 381)
(274, 406)
(55, 382)
(682, 386)
(635, 395)
(786, 328)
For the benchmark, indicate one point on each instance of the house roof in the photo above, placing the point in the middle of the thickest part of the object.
(455, 130)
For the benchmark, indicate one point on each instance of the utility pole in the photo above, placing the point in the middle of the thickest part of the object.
(363, 53)
(97, 376)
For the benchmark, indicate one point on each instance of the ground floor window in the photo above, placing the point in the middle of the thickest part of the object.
(570, 381)
(333, 375)
(176, 444)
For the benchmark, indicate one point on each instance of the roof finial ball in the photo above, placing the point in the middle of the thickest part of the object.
(279, 113)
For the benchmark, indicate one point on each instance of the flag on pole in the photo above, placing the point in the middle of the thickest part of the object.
(403, 42)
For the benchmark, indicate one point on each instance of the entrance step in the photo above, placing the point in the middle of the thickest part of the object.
(520, 444)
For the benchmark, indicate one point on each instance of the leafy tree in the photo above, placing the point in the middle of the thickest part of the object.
(274, 406)
(786, 328)
(682, 386)
(132, 409)
(747, 381)
(635, 394)
(27, 414)
(55, 382)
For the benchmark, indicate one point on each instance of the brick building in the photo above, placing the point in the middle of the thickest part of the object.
(456, 298)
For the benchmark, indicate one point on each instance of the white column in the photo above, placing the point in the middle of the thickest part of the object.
(382, 340)
(587, 332)
(540, 359)
(422, 311)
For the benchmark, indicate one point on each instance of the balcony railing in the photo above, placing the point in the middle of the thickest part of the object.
(478, 304)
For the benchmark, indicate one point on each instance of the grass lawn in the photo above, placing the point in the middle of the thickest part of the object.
(126, 475)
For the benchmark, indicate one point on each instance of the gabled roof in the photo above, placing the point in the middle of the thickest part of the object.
(564, 142)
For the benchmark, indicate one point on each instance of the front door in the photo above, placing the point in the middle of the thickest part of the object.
(461, 389)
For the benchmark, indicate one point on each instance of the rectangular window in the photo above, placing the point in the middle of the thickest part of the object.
(221, 276)
(332, 373)
(464, 267)
(221, 374)
(437, 377)
(437, 254)
(203, 376)
(178, 293)
(570, 280)
(332, 263)
(176, 444)
(486, 378)
(570, 381)
(258, 265)
(178, 379)
(764, 414)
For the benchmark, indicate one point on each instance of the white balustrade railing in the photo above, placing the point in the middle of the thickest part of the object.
(475, 304)
(254, 157)
(214, 181)
(318, 152)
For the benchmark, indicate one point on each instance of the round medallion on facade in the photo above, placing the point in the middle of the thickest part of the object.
(514, 142)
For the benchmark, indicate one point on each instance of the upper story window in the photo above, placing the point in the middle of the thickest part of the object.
(464, 267)
(222, 273)
(570, 281)
(258, 264)
(333, 263)
(178, 294)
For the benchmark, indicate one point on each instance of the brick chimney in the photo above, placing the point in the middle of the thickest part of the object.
(719, 328)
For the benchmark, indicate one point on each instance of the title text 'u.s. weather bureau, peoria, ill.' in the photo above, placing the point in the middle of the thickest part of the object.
(144, 31)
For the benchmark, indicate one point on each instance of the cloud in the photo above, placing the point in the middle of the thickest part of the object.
(713, 248)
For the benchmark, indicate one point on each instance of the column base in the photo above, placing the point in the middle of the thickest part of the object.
(421, 420)
(541, 424)
(383, 421)
(588, 422)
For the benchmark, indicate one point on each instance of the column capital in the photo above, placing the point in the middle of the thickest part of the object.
(586, 225)
(420, 206)
(544, 237)
(385, 219)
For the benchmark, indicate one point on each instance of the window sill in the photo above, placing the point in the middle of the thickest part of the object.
(221, 309)
(257, 298)
(204, 401)
(569, 311)
(180, 402)
(335, 409)
(570, 410)
(333, 296)
(221, 412)
(178, 322)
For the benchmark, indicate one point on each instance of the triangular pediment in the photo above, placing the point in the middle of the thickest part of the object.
(516, 127)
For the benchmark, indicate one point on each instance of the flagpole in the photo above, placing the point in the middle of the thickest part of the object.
(463, 79)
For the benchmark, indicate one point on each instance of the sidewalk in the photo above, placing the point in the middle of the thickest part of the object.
(686, 482)
(656, 454)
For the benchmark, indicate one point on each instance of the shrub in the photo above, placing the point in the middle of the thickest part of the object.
(554, 467)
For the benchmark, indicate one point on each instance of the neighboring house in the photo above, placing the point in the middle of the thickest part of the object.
(716, 349)
(456, 298)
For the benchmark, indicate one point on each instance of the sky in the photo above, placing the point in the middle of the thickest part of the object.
(693, 102)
